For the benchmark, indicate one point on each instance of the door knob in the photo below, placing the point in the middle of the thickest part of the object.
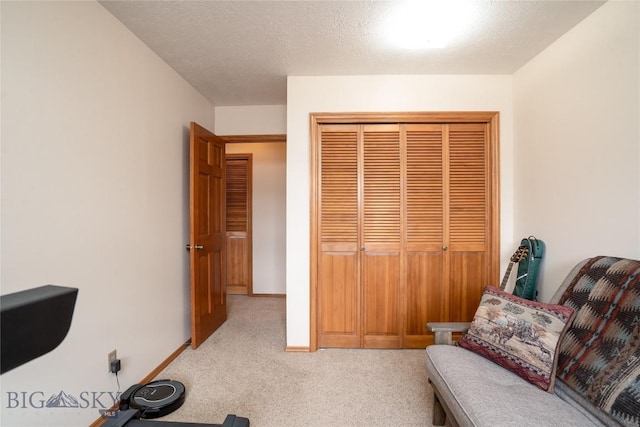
(196, 247)
(444, 248)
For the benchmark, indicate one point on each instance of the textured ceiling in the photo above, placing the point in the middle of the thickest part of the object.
(240, 52)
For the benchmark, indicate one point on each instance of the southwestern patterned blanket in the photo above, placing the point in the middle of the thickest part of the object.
(600, 355)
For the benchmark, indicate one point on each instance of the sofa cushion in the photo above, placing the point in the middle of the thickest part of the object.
(478, 392)
(520, 335)
(600, 355)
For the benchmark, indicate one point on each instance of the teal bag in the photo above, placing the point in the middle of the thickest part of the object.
(528, 268)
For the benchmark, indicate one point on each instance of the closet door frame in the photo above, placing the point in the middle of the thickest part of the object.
(490, 118)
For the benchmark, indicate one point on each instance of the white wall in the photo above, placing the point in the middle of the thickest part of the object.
(251, 120)
(376, 93)
(577, 143)
(95, 196)
(269, 188)
(269, 221)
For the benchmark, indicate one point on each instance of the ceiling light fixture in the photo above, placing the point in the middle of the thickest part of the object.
(424, 24)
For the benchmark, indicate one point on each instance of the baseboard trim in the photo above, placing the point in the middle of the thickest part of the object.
(165, 362)
(270, 295)
(237, 290)
(297, 349)
(148, 378)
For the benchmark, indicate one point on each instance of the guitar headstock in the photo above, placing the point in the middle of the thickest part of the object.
(519, 254)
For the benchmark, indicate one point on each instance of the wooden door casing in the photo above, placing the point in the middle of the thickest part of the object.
(207, 234)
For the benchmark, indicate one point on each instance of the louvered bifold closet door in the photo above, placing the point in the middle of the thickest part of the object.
(338, 266)
(424, 272)
(238, 244)
(381, 236)
(468, 217)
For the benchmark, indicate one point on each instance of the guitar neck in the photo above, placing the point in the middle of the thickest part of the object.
(507, 273)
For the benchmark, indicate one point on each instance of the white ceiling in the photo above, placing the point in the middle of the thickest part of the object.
(240, 52)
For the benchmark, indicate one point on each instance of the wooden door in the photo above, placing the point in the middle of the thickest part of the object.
(239, 224)
(468, 218)
(207, 233)
(360, 236)
(339, 251)
(380, 231)
(447, 224)
(425, 274)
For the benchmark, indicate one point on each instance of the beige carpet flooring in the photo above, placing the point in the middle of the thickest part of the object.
(242, 369)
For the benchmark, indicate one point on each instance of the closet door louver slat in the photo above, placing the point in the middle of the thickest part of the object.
(467, 185)
(381, 188)
(339, 193)
(424, 200)
(236, 195)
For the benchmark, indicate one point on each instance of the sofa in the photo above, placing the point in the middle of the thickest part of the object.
(595, 359)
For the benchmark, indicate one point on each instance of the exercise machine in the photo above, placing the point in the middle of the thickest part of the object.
(44, 315)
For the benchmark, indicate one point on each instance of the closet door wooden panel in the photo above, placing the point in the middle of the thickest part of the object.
(381, 286)
(339, 300)
(467, 272)
(381, 235)
(468, 217)
(426, 297)
(339, 276)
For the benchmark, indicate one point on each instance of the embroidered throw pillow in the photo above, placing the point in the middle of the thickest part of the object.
(520, 335)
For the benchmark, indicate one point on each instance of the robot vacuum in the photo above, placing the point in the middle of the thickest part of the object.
(155, 399)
